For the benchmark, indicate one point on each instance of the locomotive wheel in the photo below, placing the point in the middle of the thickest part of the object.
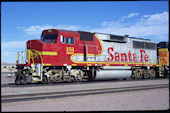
(79, 77)
(17, 81)
(72, 79)
(146, 75)
(138, 74)
(152, 74)
(22, 82)
(45, 81)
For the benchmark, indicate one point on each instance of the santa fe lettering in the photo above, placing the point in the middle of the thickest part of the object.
(125, 57)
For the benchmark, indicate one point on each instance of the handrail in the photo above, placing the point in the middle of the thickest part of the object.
(33, 54)
(20, 54)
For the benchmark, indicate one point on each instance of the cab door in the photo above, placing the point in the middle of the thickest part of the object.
(70, 48)
(68, 44)
(62, 50)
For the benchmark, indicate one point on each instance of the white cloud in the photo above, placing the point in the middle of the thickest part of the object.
(157, 19)
(37, 29)
(111, 23)
(14, 44)
(9, 57)
(8, 54)
(129, 16)
(132, 14)
(9, 50)
(148, 25)
(144, 26)
(33, 30)
(145, 16)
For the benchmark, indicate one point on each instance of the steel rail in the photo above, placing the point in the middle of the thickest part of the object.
(83, 82)
(50, 95)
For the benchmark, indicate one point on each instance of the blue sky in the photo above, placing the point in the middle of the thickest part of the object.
(22, 21)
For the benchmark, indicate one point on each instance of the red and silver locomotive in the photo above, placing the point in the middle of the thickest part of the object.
(69, 56)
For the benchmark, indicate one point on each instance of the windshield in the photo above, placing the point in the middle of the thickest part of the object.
(49, 38)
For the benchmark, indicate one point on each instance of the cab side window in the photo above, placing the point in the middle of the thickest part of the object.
(70, 40)
(67, 40)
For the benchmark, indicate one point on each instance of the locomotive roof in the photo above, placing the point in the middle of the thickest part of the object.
(63, 30)
(118, 35)
(99, 33)
(122, 36)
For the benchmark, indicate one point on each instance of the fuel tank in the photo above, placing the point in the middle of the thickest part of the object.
(112, 74)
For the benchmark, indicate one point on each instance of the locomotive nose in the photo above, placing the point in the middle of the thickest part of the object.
(34, 44)
(33, 54)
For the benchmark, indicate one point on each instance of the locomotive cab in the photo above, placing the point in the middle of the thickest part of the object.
(49, 38)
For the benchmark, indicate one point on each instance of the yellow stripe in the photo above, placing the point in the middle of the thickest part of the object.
(47, 64)
(35, 75)
(126, 64)
(74, 64)
(110, 62)
(89, 64)
(44, 52)
(137, 64)
(105, 62)
(107, 65)
(48, 53)
(100, 44)
(36, 80)
(163, 49)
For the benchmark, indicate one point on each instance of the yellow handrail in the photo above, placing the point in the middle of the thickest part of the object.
(32, 53)
(17, 57)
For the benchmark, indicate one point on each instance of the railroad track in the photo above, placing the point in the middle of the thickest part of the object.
(50, 95)
(65, 83)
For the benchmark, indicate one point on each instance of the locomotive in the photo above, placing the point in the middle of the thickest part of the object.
(70, 56)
